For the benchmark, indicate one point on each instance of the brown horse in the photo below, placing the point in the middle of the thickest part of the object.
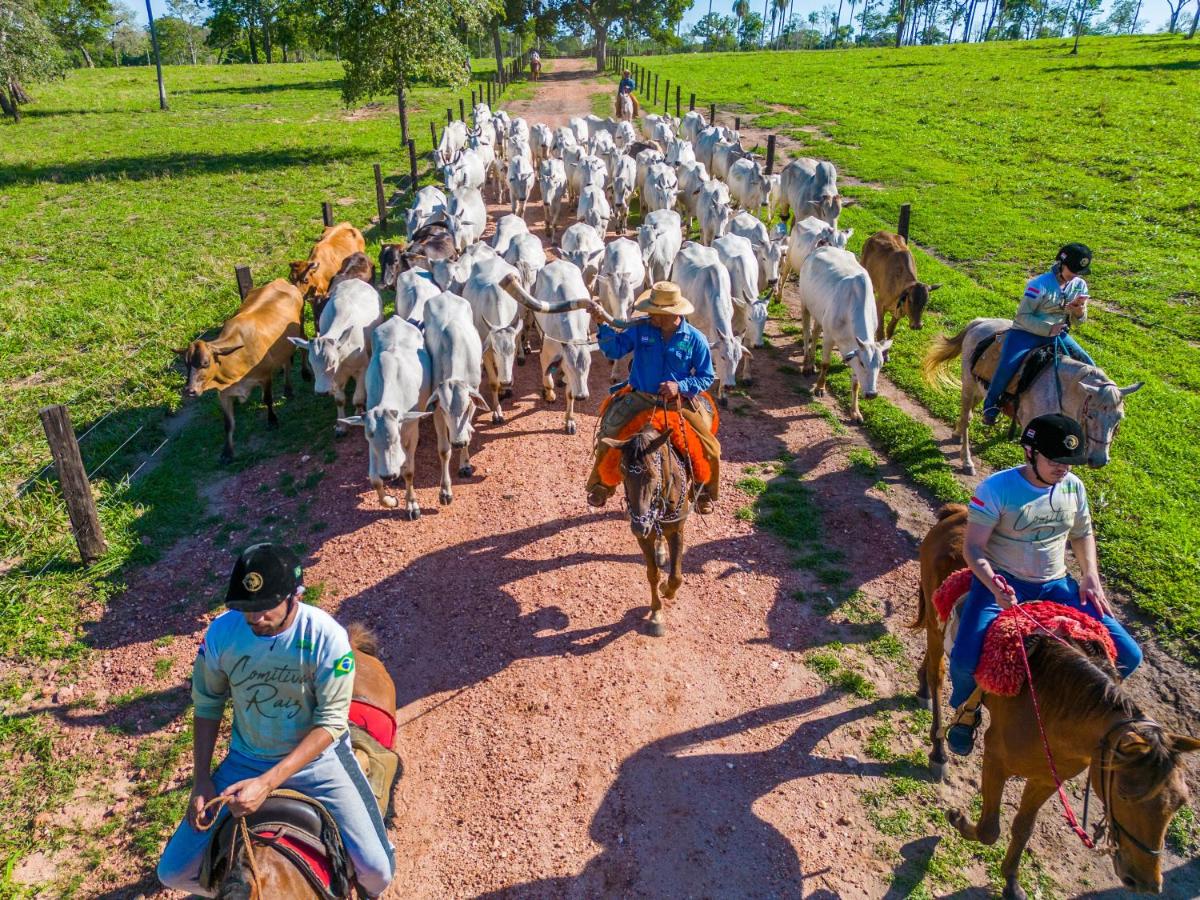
(535, 69)
(269, 875)
(658, 494)
(1090, 723)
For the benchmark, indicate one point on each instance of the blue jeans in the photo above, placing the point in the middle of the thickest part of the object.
(335, 779)
(980, 609)
(1013, 351)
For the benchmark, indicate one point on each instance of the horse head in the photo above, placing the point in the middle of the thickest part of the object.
(645, 478)
(1100, 410)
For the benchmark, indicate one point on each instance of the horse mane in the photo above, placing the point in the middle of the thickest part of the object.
(1076, 680)
(363, 639)
(236, 883)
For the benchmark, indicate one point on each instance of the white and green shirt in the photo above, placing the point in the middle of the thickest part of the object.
(281, 686)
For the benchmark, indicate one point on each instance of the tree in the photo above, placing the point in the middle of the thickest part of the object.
(28, 53)
(1122, 18)
(716, 32)
(79, 24)
(750, 31)
(192, 14)
(1195, 21)
(1176, 7)
(123, 36)
(656, 19)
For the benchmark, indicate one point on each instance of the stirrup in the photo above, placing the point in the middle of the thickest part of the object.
(960, 733)
(990, 416)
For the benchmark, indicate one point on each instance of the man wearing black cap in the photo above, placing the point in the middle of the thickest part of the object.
(288, 669)
(1018, 524)
(1052, 301)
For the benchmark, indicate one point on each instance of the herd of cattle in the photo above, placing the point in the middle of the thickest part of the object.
(465, 308)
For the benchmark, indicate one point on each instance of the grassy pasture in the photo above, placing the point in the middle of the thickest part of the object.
(1007, 151)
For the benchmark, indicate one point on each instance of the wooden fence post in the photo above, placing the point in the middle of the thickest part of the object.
(489, 92)
(72, 477)
(737, 123)
(770, 153)
(691, 102)
(327, 213)
(380, 202)
(245, 282)
(449, 116)
(656, 89)
(433, 136)
(462, 113)
(712, 114)
(473, 99)
(412, 162)
(677, 90)
(905, 215)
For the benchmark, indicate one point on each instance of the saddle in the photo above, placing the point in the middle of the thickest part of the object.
(628, 422)
(372, 734)
(298, 827)
(986, 358)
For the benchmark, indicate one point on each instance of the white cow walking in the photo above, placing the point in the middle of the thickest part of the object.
(660, 238)
(622, 274)
(413, 288)
(769, 251)
(749, 310)
(704, 281)
(498, 319)
(583, 246)
(552, 178)
(429, 205)
(808, 187)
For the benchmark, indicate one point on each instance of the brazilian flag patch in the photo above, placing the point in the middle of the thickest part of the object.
(343, 666)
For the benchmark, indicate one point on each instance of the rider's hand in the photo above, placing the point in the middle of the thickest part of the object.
(596, 311)
(1091, 591)
(1078, 306)
(246, 796)
(1058, 329)
(202, 791)
(668, 390)
(1003, 592)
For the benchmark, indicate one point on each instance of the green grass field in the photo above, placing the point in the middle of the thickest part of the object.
(1006, 151)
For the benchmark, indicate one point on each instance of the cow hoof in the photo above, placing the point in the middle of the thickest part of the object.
(340, 432)
(521, 360)
(818, 392)
(969, 469)
(549, 396)
(747, 382)
(656, 629)
(413, 512)
(857, 418)
(497, 418)
(444, 498)
(570, 429)
(466, 471)
(389, 501)
(925, 701)
(506, 394)
(724, 401)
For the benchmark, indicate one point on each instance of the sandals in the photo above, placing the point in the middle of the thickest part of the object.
(960, 735)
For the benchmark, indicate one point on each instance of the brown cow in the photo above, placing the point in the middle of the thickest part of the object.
(252, 346)
(889, 262)
(312, 276)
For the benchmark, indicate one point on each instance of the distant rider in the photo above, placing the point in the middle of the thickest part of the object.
(1018, 524)
(1052, 301)
(627, 86)
(288, 669)
(671, 363)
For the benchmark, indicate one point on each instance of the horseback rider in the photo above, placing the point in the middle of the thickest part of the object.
(671, 365)
(289, 669)
(1018, 524)
(1053, 301)
(626, 86)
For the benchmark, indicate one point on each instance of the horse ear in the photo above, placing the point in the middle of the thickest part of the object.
(613, 442)
(653, 446)
(1181, 743)
(1133, 388)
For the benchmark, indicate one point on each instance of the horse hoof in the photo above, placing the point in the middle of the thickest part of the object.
(958, 821)
(466, 471)
(1014, 891)
(724, 401)
(549, 396)
(414, 512)
(938, 770)
(926, 702)
(857, 418)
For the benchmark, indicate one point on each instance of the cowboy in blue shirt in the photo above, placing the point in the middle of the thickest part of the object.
(626, 86)
(671, 360)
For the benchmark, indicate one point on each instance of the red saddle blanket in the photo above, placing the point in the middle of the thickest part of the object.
(317, 863)
(375, 721)
(610, 465)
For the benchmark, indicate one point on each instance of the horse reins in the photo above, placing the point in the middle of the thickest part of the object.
(1106, 790)
(244, 830)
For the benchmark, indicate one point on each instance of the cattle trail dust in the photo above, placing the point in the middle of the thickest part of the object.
(552, 748)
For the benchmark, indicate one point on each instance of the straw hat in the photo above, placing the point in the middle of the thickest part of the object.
(664, 299)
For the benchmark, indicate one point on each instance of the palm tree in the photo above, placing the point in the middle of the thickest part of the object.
(780, 7)
(741, 9)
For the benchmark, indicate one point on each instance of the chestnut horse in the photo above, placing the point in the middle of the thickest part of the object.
(269, 875)
(1091, 722)
(658, 493)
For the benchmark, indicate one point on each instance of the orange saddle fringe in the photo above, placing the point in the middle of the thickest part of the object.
(610, 465)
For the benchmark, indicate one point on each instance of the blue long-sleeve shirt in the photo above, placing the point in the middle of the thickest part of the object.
(627, 84)
(684, 358)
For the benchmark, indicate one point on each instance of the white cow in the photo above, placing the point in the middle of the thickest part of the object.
(836, 292)
(466, 170)
(660, 129)
(583, 246)
(579, 127)
(481, 114)
(775, 197)
(659, 238)
(552, 178)
(680, 152)
(600, 142)
(713, 210)
(692, 177)
(704, 281)
(466, 217)
(594, 209)
(622, 274)
(749, 310)
(506, 229)
(429, 205)
(413, 288)
(451, 274)
(500, 123)
(623, 182)
(769, 251)
(661, 189)
(645, 159)
(724, 156)
(748, 184)
(527, 255)
(541, 138)
(624, 135)
(499, 320)
(521, 178)
(564, 137)
(708, 139)
(589, 170)
(807, 235)
(518, 130)
(809, 188)
(453, 142)
(595, 124)
(342, 347)
(692, 124)
(456, 358)
(398, 382)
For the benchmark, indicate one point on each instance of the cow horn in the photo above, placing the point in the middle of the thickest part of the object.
(1132, 389)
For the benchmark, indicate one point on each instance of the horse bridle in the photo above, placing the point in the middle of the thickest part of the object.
(1107, 775)
(659, 513)
(1084, 414)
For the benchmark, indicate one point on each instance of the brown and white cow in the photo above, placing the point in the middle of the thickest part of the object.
(889, 262)
(253, 345)
(313, 275)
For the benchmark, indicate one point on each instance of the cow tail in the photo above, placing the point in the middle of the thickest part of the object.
(941, 351)
(363, 639)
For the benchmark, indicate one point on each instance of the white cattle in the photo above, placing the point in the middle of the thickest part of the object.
(527, 255)
(456, 358)
(481, 114)
(623, 182)
(552, 178)
(748, 184)
(703, 280)
(660, 129)
(593, 208)
(708, 139)
(661, 189)
(583, 245)
(692, 177)
(499, 320)
(622, 274)
(612, 156)
(624, 135)
(541, 138)
(775, 197)
(692, 124)
(466, 217)
(500, 123)
(769, 251)
(807, 235)
(713, 210)
(454, 141)
(589, 170)
(579, 127)
(518, 130)
(724, 155)
(465, 171)
(506, 229)
(836, 292)
(659, 238)
(749, 310)
(645, 159)
(398, 382)
(413, 288)
(595, 124)
(451, 274)
(600, 142)
(521, 178)
(429, 205)
(680, 152)
(342, 347)
(564, 137)
(808, 187)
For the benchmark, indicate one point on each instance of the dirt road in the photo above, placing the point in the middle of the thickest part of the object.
(551, 747)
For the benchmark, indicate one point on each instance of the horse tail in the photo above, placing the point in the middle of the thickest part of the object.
(363, 639)
(950, 509)
(919, 621)
(942, 350)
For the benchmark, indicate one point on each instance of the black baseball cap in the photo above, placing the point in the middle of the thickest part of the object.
(1077, 257)
(264, 576)
(1057, 437)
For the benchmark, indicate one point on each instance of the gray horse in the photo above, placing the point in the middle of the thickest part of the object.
(1082, 392)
